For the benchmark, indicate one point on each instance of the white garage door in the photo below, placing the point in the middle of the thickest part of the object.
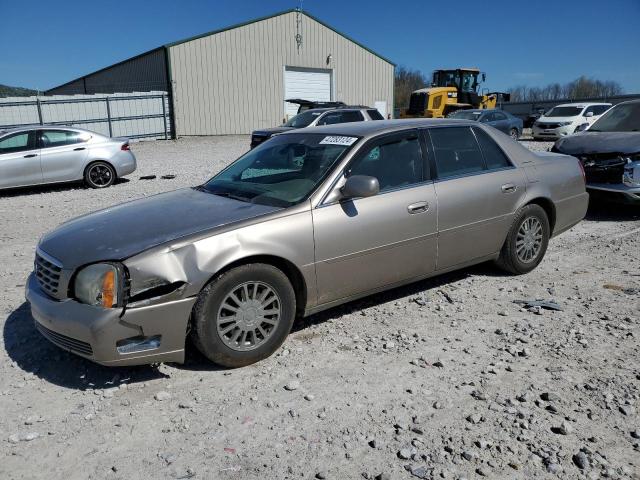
(306, 84)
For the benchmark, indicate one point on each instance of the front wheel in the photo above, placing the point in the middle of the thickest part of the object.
(99, 175)
(526, 242)
(513, 133)
(244, 315)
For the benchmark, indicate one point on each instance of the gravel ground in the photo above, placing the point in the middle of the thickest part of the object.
(446, 378)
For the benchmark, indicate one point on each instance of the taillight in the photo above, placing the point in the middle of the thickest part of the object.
(584, 175)
(125, 147)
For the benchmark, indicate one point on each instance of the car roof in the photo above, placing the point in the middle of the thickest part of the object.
(582, 104)
(340, 108)
(40, 127)
(478, 110)
(366, 129)
(635, 100)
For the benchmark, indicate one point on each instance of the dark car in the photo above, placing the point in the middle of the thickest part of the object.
(498, 119)
(610, 152)
(316, 117)
(533, 118)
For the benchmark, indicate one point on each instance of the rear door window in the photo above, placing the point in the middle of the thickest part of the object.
(330, 118)
(456, 151)
(341, 117)
(375, 114)
(59, 138)
(493, 155)
(18, 142)
(352, 116)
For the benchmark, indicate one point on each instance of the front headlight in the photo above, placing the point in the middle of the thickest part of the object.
(564, 124)
(99, 284)
(631, 175)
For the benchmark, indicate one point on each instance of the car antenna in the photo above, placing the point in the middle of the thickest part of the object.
(299, 26)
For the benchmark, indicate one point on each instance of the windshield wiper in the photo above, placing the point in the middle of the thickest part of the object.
(231, 195)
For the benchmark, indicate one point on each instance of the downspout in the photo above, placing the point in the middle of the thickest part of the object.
(170, 95)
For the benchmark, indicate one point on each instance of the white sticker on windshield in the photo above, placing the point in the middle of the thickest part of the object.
(335, 140)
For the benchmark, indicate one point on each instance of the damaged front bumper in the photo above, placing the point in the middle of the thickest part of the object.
(111, 336)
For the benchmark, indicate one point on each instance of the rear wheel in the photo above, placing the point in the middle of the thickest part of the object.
(526, 241)
(513, 133)
(99, 175)
(244, 315)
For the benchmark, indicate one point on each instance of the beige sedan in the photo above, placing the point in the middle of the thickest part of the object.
(306, 221)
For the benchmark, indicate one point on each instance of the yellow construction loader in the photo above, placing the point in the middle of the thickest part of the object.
(452, 90)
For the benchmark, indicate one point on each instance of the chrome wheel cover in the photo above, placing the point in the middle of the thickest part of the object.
(529, 240)
(248, 316)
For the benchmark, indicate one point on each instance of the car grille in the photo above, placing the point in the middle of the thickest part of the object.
(548, 126)
(603, 168)
(48, 274)
(68, 343)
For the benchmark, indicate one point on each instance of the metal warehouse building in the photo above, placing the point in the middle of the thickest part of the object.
(234, 80)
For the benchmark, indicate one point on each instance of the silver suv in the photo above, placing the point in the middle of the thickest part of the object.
(317, 117)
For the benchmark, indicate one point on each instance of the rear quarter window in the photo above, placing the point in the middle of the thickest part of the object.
(494, 157)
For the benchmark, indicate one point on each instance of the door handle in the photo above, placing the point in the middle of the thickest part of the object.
(418, 207)
(509, 188)
(79, 148)
(31, 155)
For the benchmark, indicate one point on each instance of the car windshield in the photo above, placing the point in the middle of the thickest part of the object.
(466, 115)
(621, 118)
(282, 171)
(302, 119)
(564, 112)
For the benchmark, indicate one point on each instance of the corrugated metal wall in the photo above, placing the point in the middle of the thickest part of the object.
(232, 82)
(144, 73)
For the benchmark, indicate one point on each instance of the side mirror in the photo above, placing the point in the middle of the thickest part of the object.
(360, 186)
(588, 114)
(581, 128)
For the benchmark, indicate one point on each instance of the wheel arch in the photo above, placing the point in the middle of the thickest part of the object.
(550, 209)
(98, 160)
(285, 266)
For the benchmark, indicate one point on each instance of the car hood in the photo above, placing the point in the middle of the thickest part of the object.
(558, 119)
(119, 232)
(267, 132)
(599, 142)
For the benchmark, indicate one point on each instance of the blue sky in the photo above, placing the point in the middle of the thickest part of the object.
(516, 42)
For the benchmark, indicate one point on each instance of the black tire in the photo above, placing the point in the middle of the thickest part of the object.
(509, 259)
(205, 333)
(99, 175)
(513, 133)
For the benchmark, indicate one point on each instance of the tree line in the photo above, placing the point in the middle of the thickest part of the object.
(408, 80)
(582, 87)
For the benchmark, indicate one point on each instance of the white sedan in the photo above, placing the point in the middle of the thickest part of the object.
(53, 154)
